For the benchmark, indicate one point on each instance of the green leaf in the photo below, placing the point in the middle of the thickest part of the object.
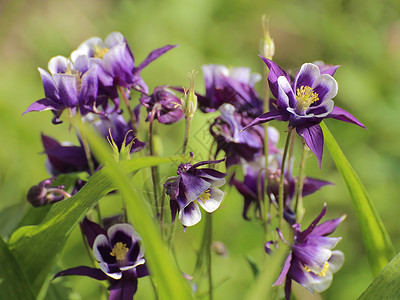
(13, 283)
(378, 246)
(169, 280)
(37, 247)
(387, 284)
(262, 288)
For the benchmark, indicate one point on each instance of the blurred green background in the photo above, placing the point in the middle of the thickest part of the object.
(362, 36)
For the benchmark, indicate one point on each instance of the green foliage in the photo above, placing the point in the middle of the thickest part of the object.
(387, 284)
(37, 247)
(376, 240)
(13, 282)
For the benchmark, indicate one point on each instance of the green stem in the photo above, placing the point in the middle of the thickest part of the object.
(128, 106)
(154, 170)
(209, 241)
(282, 177)
(299, 208)
(188, 122)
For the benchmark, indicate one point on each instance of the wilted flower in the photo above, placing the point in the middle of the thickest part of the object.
(305, 102)
(120, 255)
(193, 187)
(311, 262)
(44, 193)
(166, 105)
(247, 145)
(70, 85)
(234, 86)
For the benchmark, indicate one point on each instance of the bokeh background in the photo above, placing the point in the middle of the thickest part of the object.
(363, 36)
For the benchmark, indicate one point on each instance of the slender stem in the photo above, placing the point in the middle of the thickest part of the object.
(266, 109)
(282, 177)
(188, 122)
(128, 106)
(299, 209)
(154, 170)
(209, 241)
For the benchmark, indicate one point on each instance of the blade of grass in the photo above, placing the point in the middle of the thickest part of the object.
(378, 246)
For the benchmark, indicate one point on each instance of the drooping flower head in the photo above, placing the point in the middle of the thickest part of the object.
(166, 105)
(311, 261)
(234, 86)
(71, 85)
(116, 63)
(120, 255)
(305, 102)
(45, 193)
(192, 187)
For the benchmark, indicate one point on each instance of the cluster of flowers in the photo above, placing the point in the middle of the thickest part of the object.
(90, 84)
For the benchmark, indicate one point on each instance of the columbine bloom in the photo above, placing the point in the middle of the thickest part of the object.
(193, 187)
(166, 105)
(69, 85)
(120, 255)
(44, 193)
(116, 61)
(234, 86)
(305, 102)
(311, 261)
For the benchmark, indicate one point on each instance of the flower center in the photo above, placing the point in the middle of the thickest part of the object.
(119, 251)
(99, 52)
(305, 96)
(205, 196)
(323, 272)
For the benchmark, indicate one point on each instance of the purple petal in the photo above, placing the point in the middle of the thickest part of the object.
(113, 39)
(154, 55)
(285, 269)
(125, 289)
(268, 116)
(328, 227)
(307, 75)
(311, 185)
(286, 97)
(142, 271)
(89, 87)
(329, 70)
(325, 86)
(322, 241)
(275, 72)
(59, 64)
(314, 257)
(123, 233)
(91, 230)
(314, 139)
(299, 274)
(102, 250)
(342, 115)
(43, 104)
(83, 271)
(190, 215)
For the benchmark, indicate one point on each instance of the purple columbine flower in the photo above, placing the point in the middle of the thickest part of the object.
(117, 63)
(239, 146)
(166, 105)
(193, 187)
(120, 255)
(311, 261)
(69, 85)
(305, 102)
(234, 86)
(45, 193)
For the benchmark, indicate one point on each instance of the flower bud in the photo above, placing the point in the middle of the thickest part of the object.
(267, 43)
(42, 193)
(189, 99)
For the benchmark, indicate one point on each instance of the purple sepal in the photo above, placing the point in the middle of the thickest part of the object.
(91, 230)
(124, 289)
(275, 72)
(268, 116)
(285, 269)
(342, 115)
(43, 104)
(314, 139)
(311, 185)
(152, 56)
(83, 271)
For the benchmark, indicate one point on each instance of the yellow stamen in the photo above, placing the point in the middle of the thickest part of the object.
(205, 196)
(305, 96)
(99, 52)
(322, 273)
(119, 251)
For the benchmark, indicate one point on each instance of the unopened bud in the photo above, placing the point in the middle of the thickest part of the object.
(189, 100)
(267, 43)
